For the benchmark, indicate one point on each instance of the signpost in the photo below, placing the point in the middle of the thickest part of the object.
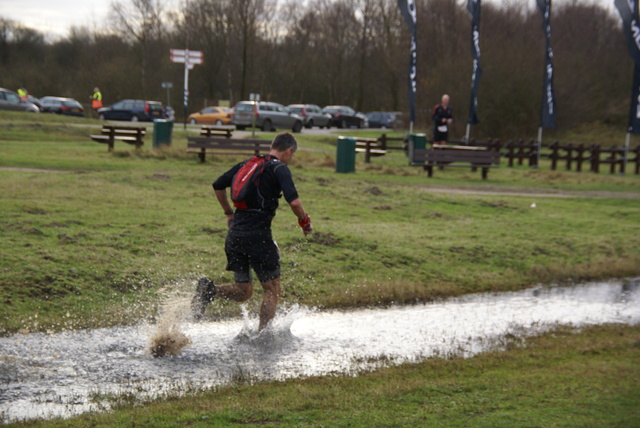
(189, 59)
(256, 98)
(167, 85)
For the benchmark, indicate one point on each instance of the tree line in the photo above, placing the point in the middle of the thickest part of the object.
(353, 52)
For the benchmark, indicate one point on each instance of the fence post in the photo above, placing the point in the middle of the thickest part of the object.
(554, 155)
(367, 152)
(536, 148)
(595, 158)
(383, 141)
(612, 158)
(580, 157)
(520, 151)
(569, 155)
(510, 148)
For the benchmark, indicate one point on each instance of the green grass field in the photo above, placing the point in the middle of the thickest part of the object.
(92, 238)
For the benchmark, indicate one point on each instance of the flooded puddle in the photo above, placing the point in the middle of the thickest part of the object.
(64, 374)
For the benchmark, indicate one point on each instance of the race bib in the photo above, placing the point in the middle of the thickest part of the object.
(442, 128)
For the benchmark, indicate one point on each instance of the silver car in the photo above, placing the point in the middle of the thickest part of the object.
(266, 116)
(312, 115)
(9, 100)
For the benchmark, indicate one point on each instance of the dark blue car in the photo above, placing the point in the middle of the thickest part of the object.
(384, 120)
(133, 110)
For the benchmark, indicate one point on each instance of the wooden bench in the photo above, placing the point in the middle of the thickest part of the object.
(217, 131)
(370, 147)
(476, 157)
(225, 146)
(129, 134)
(374, 147)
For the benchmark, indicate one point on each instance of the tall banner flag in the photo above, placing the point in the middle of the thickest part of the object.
(548, 114)
(629, 12)
(473, 6)
(408, 11)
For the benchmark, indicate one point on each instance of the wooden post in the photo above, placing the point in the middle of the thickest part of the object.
(139, 138)
(520, 151)
(580, 157)
(595, 158)
(626, 153)
(383, 141)
(112, 137)
(510, 152)
(367, 152)
(554, 155)
(612, 158)
(569, 156)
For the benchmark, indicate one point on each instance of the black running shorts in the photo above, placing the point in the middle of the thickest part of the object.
(257, 251)
(440, 136)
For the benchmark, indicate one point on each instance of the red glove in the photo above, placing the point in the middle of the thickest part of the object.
(305, 224)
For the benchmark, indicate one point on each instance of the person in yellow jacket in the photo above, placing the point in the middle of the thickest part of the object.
(23, 93)
(96, 99)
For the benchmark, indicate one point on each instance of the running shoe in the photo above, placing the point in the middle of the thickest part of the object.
(205, 291)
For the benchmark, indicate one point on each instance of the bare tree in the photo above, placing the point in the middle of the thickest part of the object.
(140, 22)
(210, 21)
(245, 19)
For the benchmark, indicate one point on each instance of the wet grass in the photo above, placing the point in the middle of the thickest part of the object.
(563, 378)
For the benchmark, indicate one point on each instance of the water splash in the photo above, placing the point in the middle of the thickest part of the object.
(168, 337)
(67, 373)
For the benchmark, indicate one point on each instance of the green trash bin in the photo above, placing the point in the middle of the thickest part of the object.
(416, 141)
(162, 130)
(345, 154)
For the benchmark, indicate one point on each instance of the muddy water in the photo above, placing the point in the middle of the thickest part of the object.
(63, 374)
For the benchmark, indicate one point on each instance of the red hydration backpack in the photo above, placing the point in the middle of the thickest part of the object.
(246, 180)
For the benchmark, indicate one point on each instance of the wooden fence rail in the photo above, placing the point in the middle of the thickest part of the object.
(573, 155)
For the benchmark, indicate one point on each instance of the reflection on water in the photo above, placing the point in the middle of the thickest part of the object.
(62, 374)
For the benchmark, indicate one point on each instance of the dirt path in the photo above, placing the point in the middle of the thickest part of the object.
(474, 190)
(532, 192)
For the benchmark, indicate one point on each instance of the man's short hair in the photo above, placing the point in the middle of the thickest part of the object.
(283, 141)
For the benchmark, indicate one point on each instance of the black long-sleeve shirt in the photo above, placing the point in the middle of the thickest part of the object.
(274, 182)
(440, 114)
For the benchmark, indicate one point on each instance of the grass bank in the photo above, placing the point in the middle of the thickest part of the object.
(92, 238)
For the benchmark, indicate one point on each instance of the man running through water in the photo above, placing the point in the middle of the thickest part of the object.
(249, 243)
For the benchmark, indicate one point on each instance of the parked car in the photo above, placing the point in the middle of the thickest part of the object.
(34, 100)
(384, 120)
(211, 116)
(133, 110)
(312, 115)
(365, 119)
(10, 100)
(344, 116)
(268, 116)
(60, 105)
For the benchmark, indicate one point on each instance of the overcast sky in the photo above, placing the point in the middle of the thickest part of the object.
(56, 17)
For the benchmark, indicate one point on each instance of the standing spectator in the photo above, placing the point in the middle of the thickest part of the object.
(442, 117)
(249, 243)
(96, 100)
(23, 93)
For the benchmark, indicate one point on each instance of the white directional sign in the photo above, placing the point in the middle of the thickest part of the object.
(189, 59)
(186, 56)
